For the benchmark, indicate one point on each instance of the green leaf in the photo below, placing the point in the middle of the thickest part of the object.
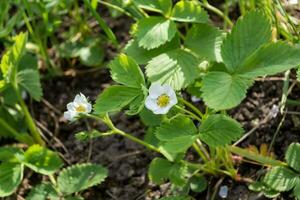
(205, 40)
(10, 60)
(11, 175)
(137, 104)
(153, 32)
(44, 191)
(292, 156)
(296, 190)
(256, 157)
(179, 197)
(269, 193)
(178, 174)
(142, 56)
(149, 118)
(189, 11)
(178, 68)
(223, 91)
(124, 70)
(281, 179)
(10, 154)
(28, 61)
(177, 135)
(80, 177)
(91, 55)
(159, 170)
(178, 127)
(179, 144)
(198, 184)
(161, 6)
(69, 49)
(74, 198)
(270, 59)
(220, 130)
(249, 33)
(7, 29)
(30, 80)
(114, 98)
(42, 160)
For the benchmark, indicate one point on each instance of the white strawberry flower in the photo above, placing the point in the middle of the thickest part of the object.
(161, 98)
(80, 105)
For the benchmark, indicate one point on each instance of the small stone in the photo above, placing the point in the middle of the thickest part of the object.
(223, 193)
(274, 111)
(195, 99)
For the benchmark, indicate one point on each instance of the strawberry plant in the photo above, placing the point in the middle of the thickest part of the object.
(178, 73)
(162, 62)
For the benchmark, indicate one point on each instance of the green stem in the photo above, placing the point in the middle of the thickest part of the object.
(206, 5)
(199, 143)
(189, 112)
(109, 123)
(117, 8)
(52, 179)
(30, 122)
(192, 107)
(201, 154)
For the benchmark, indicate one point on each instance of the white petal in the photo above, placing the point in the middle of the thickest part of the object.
(71, 106)
(88, 108)
(80, 99)
(151, 104)
(168, 90)
(173, 100)
(163, 110)
(155, 90)
(68, 115)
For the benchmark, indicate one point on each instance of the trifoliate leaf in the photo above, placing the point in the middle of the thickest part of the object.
(292, 156)
(220, 130)
(177, 135)
(114, 98)
(281, 179)
(270, 59)
(142, 56)
(124, 70)
(205, 40)
(224, 91)
(178, 68)
(159, 170)
(42, 160)
(250, 32)
(179, 144)
(44, 191)
(80, 177)
(30, 80)
(178, 127)
(189, 11)
(11, 175)
(153, 32)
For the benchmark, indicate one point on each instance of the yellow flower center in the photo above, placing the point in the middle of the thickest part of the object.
(80, 109)
(163, 100)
